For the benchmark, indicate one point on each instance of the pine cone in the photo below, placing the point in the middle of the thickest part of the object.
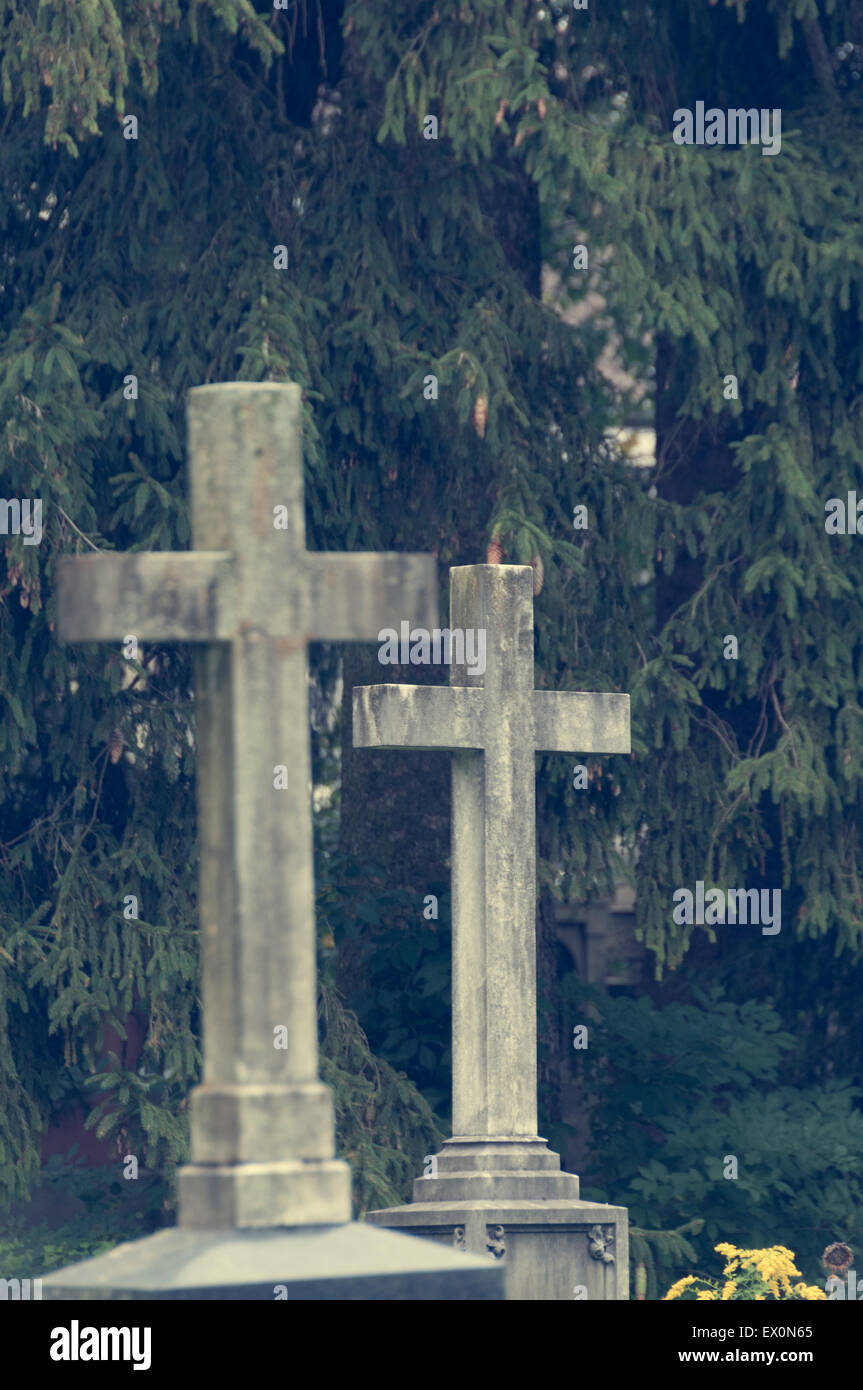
(480, 415)
(115, 746)
(494, 554)
(538, 574)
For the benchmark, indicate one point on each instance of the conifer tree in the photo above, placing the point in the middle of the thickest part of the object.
(158, 163)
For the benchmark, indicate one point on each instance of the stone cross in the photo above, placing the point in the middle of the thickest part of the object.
(494, 723)
(252, 597)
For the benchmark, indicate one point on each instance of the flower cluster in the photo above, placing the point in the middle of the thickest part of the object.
(749, 1274)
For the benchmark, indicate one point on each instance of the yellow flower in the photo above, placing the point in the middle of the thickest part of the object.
(676, 1289)
(774, 1267)
(782, 1261)
(775, 1263)
(808, 1291)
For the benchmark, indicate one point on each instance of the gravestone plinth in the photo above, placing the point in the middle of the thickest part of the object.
(341, 1262)
(264, 1200)
(497, 1174)
(549, 1250)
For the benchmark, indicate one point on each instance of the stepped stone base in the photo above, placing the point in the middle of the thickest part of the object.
(508, 1198)
(349, 1261)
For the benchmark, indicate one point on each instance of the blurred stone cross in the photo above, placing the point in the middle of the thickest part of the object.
(252, 597)
(496, 1164)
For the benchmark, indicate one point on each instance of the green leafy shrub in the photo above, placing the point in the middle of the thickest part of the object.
(108, 1211)
(678, 1091)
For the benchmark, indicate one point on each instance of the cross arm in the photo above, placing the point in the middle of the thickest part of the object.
(187, 596)
(354, 595)
(574, 721)
(417, 716)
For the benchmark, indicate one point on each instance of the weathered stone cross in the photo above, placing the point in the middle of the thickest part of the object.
(494, 723)
(250, 593)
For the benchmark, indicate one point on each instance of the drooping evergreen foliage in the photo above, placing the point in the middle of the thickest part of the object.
(154, 257)
(408, 257)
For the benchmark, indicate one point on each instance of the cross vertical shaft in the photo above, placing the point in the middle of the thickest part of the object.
(494, 868)
(256, 874)
(262, 1123)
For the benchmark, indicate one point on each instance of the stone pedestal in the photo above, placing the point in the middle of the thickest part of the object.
(339, 1262)
(508, 1198)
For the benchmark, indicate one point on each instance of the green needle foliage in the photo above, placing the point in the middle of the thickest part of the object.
(409, 258)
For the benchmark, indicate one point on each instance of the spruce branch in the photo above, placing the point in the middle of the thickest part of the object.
(85, 539)
(820, 60)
